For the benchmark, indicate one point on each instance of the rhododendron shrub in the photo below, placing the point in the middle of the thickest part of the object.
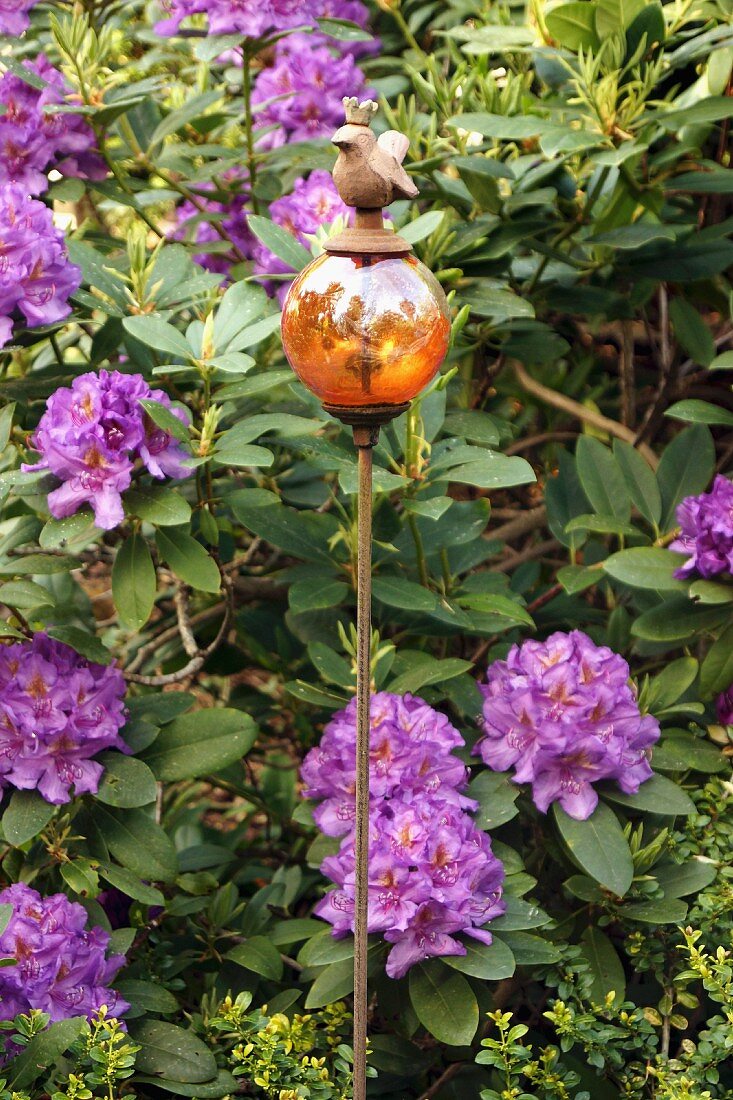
(552, 618)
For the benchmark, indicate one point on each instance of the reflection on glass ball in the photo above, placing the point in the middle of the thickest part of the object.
(365, 330)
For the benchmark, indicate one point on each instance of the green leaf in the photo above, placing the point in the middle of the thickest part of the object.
(138, 843)
(518, 916)
(478, 427)
(701, 412)
(26, 815)
(164, 418)
(172, 1052)
(573, 25)
(685, 469)
(504, 127)
(646, 567)
(641, 483)
(530, 950)
(69, 533)
(192, 109)
(711, 109)
(38, 565)
(680, 751)
(444, 1003)
(333, 983)
(491, 962)
(147, 996)
(430, 671)
(669, 911)
(240, 307)
(126, 781)
(279, 241)
(259, 955)
(200, 743)
(491, 471)
(613, 16)
(602, 479)
(634, 236)
(565, 499)
(606, 969)
(598, 846)
(344, 30)
(25, 595)
(43, 1052)
(233, 453)
(724, 361)
(134, 582)
(130, 884)
(159, 505)
(716, 673)
(188, 559)
(223, 1085)
(680, 879)
(309, 596)
(496, 796)
(692, 332)
(306, 535)
(6, 424)
(399, 592)
(156, 333)
(656, 796)
(675, 619)
(322, 949)
(86, 644)
(671, 683)
(422, 227)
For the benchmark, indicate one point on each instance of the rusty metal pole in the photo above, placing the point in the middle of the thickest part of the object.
(364, 440)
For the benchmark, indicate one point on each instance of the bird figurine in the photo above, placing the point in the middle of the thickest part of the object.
(368, 172)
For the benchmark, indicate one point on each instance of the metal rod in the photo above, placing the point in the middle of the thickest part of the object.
(364, 439)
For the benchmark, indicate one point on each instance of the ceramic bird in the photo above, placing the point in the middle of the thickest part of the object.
(368, 172)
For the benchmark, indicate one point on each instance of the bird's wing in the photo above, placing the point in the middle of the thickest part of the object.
(395, 144)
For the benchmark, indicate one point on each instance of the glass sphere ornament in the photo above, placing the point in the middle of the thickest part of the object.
(365, 330)
(366, 325)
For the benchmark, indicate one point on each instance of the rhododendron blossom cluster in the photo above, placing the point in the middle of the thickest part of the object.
(57, 711)
(563, 714)
(34, 138)
(90, 437)
(14, 15)
(706, 534)
(36, 277)
(432, 873)
(61, 967)
(300, 96)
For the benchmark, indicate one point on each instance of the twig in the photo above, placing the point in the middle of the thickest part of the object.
(581, 412)
(626, 374)
(521, 525)
(197, 661)
(535, 550)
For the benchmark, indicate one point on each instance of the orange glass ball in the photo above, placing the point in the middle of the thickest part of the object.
(365, 330)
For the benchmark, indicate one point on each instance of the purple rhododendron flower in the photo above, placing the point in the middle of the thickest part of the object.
(36, 277)
(724, 706)
(14, 16)
(252, 18)
(432, 873)
(707, 531)
(563, 714)
(34, 139)
(57, 711)
(90, 436)
(61, 967)
(300, 95)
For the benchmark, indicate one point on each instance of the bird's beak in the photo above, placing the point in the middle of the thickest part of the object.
(341, 139)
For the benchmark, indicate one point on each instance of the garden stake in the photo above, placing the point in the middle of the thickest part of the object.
(365, 327)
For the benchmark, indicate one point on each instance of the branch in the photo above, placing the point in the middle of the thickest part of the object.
(580, 412)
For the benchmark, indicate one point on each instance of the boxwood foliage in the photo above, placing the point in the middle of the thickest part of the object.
(573, 165)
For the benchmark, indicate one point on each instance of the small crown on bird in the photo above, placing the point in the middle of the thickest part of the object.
(359, 114)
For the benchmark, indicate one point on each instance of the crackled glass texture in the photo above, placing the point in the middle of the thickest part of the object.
(365, 330)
